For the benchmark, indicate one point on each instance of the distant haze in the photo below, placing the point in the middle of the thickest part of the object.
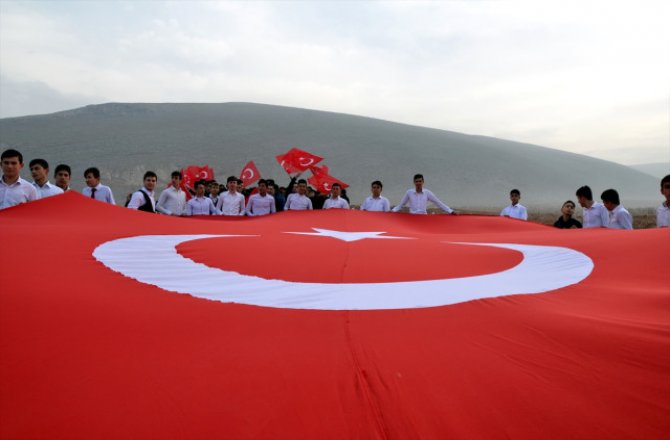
(125, 140)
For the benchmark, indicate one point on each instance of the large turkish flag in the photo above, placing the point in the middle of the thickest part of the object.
(328, 324)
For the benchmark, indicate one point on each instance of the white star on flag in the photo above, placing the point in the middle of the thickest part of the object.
(348, 236)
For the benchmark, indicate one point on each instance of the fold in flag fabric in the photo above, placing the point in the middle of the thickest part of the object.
(296, 160)
(250, 174)
(122, 324)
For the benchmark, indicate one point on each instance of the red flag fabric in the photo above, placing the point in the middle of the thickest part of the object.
(249, 174)
(135, 325)
(193, 173)
(296, 160)
(323, 183)
(321, 170)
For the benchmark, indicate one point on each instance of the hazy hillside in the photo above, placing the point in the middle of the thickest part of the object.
(124, 140)
(658, 170)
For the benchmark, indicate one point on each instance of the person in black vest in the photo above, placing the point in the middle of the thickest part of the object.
(143, 199)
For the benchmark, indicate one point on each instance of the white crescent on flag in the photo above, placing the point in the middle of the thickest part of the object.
(248, 173)
(153, 259)
(305, 162)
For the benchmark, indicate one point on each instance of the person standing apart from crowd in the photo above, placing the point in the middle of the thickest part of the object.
(143, 199)
(231, 202)
(419, 197)
(201, 204)
(298, 201)
(335, 201)
(62, 175)
(376, 202)
(261, 203)
(172, 200)
(619, 217)
(96, 190)
(39, 168)
(515, 209)
(13, 189)
(566, 221)
(594, 214)
(663, 211)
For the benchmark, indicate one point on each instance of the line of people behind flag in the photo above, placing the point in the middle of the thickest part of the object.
(211, 198)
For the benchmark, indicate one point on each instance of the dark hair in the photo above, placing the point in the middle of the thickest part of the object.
(269, 182)
(377, 182)
(336, 185)
(263, 182)
(12, 153)
(585, 192)
(176, 174)
(231, 179)
(94, 171)
(665, 180)
(610, 195)
(418, 176)
(62, 167)
(302, 181)
(515, 191)
(41, 162)
(149, 174)
(198, 183)
(570, 202)
(240, 181)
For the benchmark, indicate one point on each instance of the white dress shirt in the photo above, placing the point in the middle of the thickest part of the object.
(103, 193)
(418, 202)
(47, 189)
(620, 218)
(297, 202)
(596, 216)
(380, 203)
(663, 216)
(231, 203)
(261, 205)
(137, 199)
(515, 211)
(20, 191)
(338, 203)
(201, 206)
(172, 201)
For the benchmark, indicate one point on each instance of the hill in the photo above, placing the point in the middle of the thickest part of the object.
(472, 171)
(658, 169)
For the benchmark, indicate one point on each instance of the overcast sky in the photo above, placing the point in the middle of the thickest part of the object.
(587, 77)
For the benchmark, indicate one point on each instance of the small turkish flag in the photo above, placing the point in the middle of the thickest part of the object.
(250, 174)
(296, 160)
(324, 183)
(194, 173)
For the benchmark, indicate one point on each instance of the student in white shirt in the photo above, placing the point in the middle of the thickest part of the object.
(39, 168)
(143, 199)
(335, 201)
(515, 209)
(594, 215)
(172, 200)
(619, 217)
(13, 189)
(663, 211)
(214, 190)
(298, 201)
(419, 197)
(200, 204)
(376, 202)
(62, 175)
(96, 190)
(231, 202)
(261, 203)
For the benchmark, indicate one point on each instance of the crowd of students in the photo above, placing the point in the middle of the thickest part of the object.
(211, 198)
